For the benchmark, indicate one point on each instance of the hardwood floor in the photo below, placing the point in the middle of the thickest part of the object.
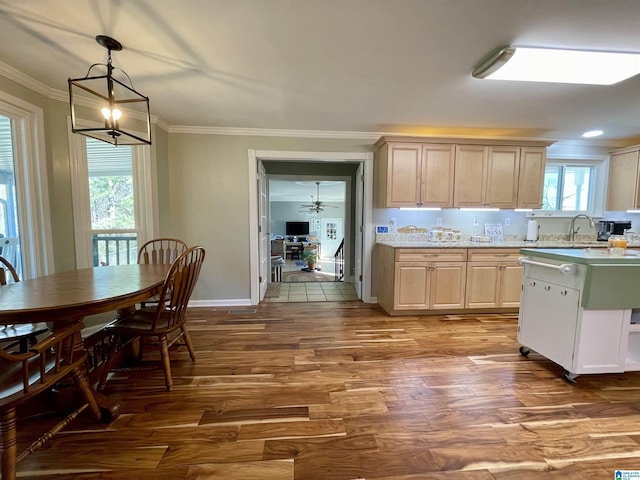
(343, 391)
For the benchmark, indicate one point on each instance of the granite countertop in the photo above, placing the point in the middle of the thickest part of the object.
(515, 241)
(503, 244)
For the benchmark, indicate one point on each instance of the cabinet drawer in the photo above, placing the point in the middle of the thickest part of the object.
(431, 255)
(494, 255)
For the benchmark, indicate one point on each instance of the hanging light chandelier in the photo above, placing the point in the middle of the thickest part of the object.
(122, 116)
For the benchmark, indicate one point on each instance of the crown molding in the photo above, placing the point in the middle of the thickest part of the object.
(11, 73)
(271, 132)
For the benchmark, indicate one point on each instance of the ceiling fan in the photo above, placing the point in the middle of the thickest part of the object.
(316, 206)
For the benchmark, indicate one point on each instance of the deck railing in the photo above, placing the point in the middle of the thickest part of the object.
(114, 250)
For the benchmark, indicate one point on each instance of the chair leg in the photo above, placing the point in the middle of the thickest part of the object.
(83, 385)
(187, 342)
(108, 362)
(164, 355)
(9, 444)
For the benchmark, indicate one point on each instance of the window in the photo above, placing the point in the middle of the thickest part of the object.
(24, 198)
(568, 188)
(111, 203)
(114, 201)
(9, 231)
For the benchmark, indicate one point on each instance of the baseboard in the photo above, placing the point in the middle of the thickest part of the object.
(234, 302)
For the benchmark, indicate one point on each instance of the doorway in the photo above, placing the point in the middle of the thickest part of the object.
(363, 239)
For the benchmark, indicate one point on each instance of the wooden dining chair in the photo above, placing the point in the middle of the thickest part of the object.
(16, 335)
(165, 324)
(161, 250)
(25, 375)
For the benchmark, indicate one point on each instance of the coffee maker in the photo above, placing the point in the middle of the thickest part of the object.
(606, 228)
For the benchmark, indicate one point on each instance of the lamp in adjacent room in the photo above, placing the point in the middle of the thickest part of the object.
(111, 108)
(558, 65)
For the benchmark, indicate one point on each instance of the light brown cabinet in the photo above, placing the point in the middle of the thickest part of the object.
(447, 279)
(459, 173)
(470, 183)
(624, 179)
(533, 161)
(421, 279)
(486, 176)
(415, 175)
(494, 278)
(499, 176)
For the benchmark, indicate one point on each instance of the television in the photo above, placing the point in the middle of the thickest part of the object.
(297, 228)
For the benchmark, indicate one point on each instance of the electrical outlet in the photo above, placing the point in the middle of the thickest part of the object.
(507, 222)
(439, 222)
(476, 221)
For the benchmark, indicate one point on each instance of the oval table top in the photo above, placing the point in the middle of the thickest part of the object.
(71, 295)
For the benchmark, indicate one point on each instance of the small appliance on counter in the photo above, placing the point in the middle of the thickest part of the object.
(606, 228)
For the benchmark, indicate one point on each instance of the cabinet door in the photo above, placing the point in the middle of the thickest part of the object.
(447, 285)
(502, 177)
(483, 280)
(548, 320)
(623, 181)
(470, 176)
(531, 176)
(510, 285)
(437, 175)
(411, 289)
(403, 174)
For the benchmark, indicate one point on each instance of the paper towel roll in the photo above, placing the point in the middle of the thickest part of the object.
(532, 230)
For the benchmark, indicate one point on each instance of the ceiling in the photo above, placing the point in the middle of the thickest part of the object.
(351, 67)
(281, 190)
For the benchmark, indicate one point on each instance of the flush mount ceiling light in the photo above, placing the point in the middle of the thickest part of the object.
(556, 65)
(111, 109)
(592, 133)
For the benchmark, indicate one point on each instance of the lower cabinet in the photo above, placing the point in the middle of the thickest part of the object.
(416, 279)
(429, 285)
(420, 279)
(494, 278)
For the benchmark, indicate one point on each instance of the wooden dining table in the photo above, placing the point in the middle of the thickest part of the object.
(67, 297)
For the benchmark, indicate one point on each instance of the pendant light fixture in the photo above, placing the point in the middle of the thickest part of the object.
(108, 108)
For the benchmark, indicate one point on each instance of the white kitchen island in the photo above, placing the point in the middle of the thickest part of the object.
(578, 308)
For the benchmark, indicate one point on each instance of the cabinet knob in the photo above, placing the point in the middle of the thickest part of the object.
(532, 284)
(547, 288)
(563, 293)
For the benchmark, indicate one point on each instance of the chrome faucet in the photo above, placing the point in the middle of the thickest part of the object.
(573, 230)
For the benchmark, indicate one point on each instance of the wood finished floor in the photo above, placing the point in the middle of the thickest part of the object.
(342, 391)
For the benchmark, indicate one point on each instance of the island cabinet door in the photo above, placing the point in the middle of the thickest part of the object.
(548, 320)
(411, 288)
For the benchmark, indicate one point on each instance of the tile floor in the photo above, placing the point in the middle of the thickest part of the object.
(310, 291)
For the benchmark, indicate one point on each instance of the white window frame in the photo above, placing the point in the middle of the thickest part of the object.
(144, 193)
(601, 169)
(30, 168)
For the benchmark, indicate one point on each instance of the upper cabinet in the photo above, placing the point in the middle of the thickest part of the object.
(467, 173)
(533, 161)
(415, 175)
(624, 178)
